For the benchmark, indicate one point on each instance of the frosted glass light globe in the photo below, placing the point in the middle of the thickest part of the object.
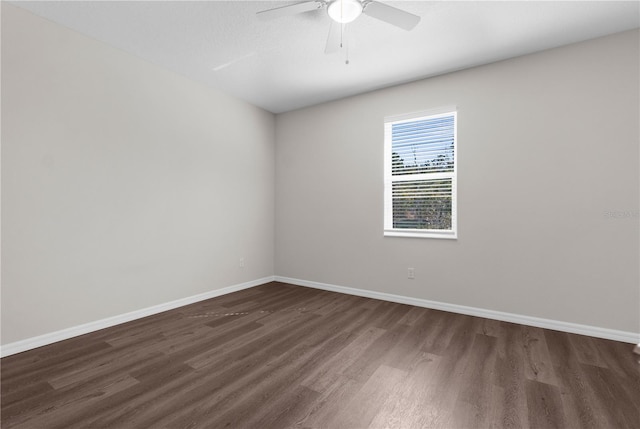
(344, 11)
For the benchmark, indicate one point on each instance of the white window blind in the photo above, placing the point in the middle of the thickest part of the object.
(420, 175)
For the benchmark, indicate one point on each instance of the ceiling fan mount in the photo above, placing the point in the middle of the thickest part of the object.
(343, 12)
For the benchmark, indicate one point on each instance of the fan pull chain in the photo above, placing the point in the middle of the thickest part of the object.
(346, 61)
(344, 44)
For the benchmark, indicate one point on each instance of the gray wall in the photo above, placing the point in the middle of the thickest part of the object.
(548, 189)
(123, 185)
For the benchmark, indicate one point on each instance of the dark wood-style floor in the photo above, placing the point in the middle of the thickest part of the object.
(278, 356)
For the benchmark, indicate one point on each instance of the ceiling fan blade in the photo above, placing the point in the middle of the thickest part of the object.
(391, 15)
(292, 9)
(334, 40)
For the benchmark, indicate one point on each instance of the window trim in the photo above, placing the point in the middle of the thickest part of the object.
(389, 121)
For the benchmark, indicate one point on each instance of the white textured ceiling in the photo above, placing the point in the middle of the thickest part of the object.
(280, 65)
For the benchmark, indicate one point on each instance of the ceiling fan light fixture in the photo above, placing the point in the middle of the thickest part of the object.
(344, 11)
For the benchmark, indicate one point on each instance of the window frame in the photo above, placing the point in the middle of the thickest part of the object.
(389, 230)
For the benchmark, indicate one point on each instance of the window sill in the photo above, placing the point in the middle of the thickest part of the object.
(413, 233)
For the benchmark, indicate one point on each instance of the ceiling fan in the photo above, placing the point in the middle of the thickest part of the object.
(343, 12)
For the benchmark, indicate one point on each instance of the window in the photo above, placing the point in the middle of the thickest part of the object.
(420, 175)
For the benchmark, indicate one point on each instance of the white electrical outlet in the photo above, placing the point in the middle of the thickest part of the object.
(411, 274)
(241, 262)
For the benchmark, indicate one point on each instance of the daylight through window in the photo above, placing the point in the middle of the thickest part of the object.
(420, 175)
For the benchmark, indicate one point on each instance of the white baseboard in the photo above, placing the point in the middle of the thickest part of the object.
(43, 340)
(574, 328)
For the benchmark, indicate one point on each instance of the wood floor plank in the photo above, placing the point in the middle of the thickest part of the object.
(239, 348)
(308, 341)
(447, 385)
(327, 302)
(331, 400)
(19, 375)
(443, 326)
(199, 386)
(29, 391)
(374, 355)
(327, 373)
(578, 398)
(245, 363)
(475, 406)
(278, 355)
(366, 403)
(624, 366)
(287, 411)
(586, 351)
(412, 398)
(103, 375)
(492, 328)
(512, 410)
(612, 396)
(113, 361)
(538, 365)
(412, 316)
(393, 313)
(545, 406)
(68, 402)
(408, 349)
(266, 390)
(622, 362)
